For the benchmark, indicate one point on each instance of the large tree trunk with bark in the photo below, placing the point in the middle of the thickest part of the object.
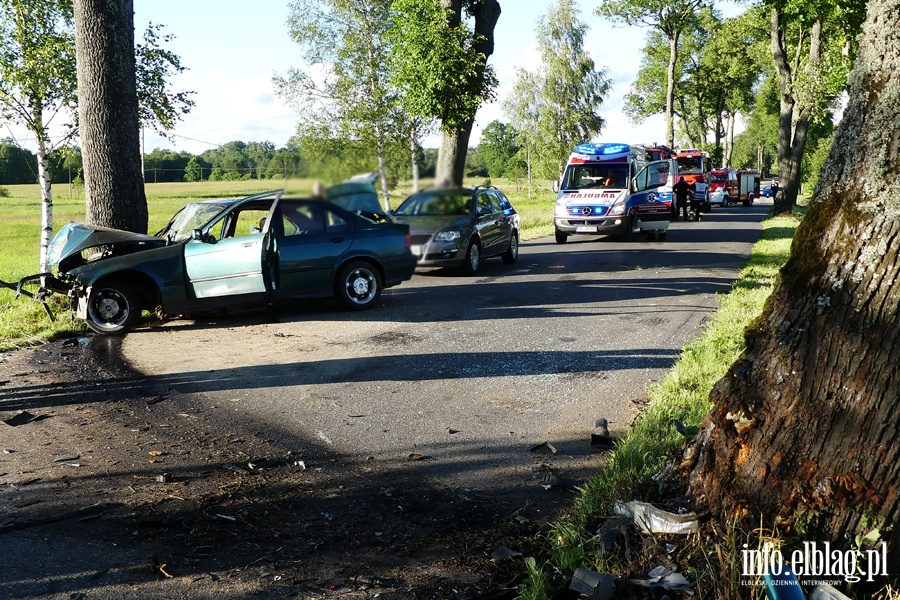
(451, 161)
(805, 424)
(108, 114)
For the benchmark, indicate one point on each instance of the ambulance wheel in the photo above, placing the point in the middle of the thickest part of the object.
(561, 237)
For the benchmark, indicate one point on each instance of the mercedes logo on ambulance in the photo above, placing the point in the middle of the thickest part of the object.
(586, 210)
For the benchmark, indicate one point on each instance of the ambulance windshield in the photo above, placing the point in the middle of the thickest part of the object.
(596, 176)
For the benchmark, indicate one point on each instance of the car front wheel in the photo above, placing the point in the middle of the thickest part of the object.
(113, 307)
(358, 286)
(561, 237)
(512, 253)
(473, 258)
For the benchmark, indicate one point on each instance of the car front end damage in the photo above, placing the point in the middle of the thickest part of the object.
(72, 255)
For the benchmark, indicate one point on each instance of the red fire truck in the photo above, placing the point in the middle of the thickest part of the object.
(732, 185)
(695, 166)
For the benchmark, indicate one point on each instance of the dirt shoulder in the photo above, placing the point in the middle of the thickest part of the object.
(119, 487)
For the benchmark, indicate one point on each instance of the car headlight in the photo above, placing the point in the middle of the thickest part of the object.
(446, 236)
(617, 209)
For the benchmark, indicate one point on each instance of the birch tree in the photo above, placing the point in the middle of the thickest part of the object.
(37, 87)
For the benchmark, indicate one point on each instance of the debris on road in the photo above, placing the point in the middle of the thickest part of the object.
(599, 586)
(24, 417)
(661, 577)
(650, 519)
(544, 448)
(601, 437)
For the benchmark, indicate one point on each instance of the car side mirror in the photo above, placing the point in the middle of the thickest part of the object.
(555, 186)
(197, 235)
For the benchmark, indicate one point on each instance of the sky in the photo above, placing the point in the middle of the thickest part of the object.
(232, 49)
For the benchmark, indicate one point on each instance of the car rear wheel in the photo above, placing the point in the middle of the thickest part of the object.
(561, 237)
(473, 258)
(113, 307)
(358, 286)
(512, 253)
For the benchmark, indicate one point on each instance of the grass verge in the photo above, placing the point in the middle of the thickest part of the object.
(645, 449)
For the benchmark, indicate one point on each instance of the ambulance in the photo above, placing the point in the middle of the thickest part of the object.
(613, 189)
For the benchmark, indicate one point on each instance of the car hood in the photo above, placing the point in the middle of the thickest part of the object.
(75, 237)
(431, 224)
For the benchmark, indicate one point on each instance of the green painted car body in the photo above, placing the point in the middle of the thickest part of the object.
(257, 250)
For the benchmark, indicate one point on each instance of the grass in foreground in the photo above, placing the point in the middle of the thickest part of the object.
(683, 396)
(23, 322)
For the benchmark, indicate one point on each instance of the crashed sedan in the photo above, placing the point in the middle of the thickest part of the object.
(227, 253)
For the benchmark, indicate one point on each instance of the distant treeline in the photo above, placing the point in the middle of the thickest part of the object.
(232, 161)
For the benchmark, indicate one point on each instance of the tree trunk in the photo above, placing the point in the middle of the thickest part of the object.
(414, 157)
(108, 114)
(793, 119)
(451, 163)
(805, 423)
(670, 91)
(455, 141)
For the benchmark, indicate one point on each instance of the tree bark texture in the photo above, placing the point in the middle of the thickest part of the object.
(451, 163)
(108, 114)
(806, 423)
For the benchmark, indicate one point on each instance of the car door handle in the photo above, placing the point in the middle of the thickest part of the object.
(248, 244)
(337, 240)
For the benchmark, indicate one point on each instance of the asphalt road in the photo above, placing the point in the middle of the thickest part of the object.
(469, 373)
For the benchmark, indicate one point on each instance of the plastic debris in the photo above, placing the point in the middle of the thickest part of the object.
(599, 586)
(545, 448)
(164, 478)
(601, 437)
(24, 417)
(504, 553)
(66, 457)
(650, 519)
(661, 577)
(783, 586)
(823, 591)
(686, 431)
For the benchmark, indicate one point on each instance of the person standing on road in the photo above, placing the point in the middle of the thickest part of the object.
(682, 191)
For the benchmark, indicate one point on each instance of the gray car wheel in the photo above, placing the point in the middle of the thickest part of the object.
(473, 258)
(113, 307)
(512, 253)
(358, 286)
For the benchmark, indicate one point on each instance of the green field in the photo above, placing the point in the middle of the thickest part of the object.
(23, 321)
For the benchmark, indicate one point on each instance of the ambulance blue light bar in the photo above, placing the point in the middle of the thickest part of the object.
(604, 149)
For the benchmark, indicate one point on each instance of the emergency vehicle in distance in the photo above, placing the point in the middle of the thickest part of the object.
(695, 165)
(732, 185)
(612, 189)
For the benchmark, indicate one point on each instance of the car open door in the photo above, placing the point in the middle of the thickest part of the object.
(227, 260)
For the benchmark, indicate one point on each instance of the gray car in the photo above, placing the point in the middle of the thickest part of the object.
(460, 227)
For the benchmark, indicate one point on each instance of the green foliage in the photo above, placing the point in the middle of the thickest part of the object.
(558, 107)
(433, 62)
(498, 147)
(159, 107)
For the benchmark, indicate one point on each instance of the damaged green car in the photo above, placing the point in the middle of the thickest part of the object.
(258, 250)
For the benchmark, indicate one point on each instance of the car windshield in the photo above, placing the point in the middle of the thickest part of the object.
(436, 204)
(691, 164)
(717, 177)
(191, 217)
(580, 177)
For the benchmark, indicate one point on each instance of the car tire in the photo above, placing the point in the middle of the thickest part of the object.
(749, 200)
(473, 258)
(358, 285)
(512, 253)
(561, 237)
(113, 307)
